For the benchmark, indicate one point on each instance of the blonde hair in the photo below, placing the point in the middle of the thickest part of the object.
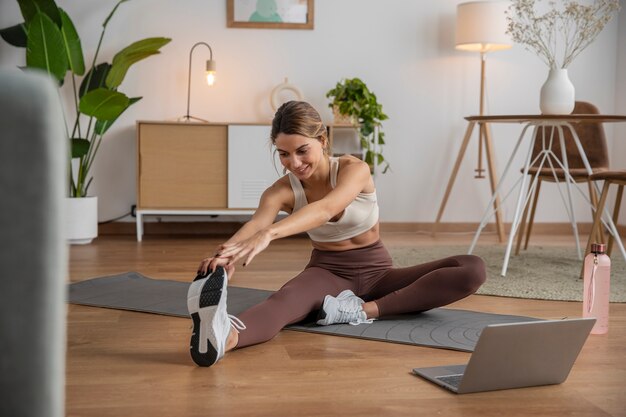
(299, 118)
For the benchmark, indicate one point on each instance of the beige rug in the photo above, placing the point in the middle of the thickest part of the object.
(545, 273)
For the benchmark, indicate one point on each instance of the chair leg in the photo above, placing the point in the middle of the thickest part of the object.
(522, 226)
(596, 221)
(618, 202)
(594, 201)
(531, 220)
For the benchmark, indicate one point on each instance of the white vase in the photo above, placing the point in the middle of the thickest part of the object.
(557, 93)
(81, 220)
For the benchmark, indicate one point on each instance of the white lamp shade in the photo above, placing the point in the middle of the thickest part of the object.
(481, 26)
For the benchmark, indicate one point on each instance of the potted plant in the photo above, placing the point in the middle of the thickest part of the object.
(352, 99)
(556, 34)
(53, 45)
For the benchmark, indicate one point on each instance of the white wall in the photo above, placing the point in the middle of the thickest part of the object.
(404, 51)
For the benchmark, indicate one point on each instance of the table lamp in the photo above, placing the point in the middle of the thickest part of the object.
(481, 27)
(210, 78)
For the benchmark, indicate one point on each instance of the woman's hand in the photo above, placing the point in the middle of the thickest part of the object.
(247, 249)
(205, 265)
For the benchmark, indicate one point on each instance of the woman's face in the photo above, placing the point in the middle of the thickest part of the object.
(299, 154)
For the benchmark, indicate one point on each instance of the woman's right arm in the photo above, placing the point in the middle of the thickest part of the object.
(274, 199)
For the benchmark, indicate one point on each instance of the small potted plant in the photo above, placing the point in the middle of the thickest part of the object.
(352, 99)
(52, 44)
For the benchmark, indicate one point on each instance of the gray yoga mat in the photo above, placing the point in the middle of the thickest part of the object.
(440, 328)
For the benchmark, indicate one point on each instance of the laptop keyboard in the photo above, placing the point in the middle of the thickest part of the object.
(454, 380)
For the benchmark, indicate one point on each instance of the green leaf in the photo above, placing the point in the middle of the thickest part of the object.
(95, 78)
(80, 147)
(120, 68)
(15, 35)
(103, 125)
(103, 104)
(30, 8)
(45, 48)
(367, 129)
(133, 53)
(71, 41)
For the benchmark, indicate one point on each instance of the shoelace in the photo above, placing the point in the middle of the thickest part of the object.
(236, 323)
(354, 306)
(359, 320)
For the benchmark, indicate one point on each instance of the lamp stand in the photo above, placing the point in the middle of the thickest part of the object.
(188, 117)
(480, 171)
(484, 139)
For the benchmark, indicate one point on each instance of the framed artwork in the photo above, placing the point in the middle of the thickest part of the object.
(270, 14)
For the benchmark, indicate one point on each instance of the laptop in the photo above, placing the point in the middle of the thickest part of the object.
(516, 355)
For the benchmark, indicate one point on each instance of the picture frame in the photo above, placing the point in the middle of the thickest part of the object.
(270, 14)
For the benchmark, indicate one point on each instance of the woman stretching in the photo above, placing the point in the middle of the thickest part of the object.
(349, 279)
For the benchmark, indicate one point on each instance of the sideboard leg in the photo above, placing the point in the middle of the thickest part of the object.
(139, 226)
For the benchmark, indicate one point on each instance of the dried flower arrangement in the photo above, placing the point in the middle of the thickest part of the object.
(569, 29)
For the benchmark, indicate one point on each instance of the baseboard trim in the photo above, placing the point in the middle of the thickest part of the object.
(228, 228)
(539, 228)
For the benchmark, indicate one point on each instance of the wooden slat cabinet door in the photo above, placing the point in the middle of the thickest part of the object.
(181, 166)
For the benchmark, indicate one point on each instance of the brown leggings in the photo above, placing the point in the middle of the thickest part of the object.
(369, 274)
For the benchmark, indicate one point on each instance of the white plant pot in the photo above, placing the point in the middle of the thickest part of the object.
(81, 220)
(557, 93)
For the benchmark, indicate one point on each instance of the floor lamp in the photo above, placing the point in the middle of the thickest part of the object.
(480, 27)
(210, 78)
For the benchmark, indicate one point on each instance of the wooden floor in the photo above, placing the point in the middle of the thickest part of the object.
(134, 364)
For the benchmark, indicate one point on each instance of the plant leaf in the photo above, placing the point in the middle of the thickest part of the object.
(118, 69)
(15, 35)
(96, 80)
(103, 104)
(45, 48)
(131, 54)
(71, 41)
(103, 125)
(80, 147)
(30, 8)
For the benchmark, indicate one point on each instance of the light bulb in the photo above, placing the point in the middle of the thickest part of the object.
(210, 77)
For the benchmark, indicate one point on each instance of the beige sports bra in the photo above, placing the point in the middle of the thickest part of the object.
(359, 217)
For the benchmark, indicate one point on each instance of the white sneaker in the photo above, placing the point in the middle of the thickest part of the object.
(345, 308)
(206, 302)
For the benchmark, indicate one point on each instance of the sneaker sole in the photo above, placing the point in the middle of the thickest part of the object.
(204, 298)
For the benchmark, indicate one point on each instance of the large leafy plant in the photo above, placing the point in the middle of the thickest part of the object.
(53, 45)
(353, 99)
